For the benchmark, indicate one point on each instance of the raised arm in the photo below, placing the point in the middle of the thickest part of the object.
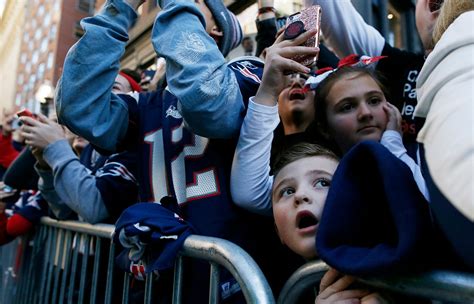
(392, 140)
(82, 196)
(346, 31)
(84, 100)
(208, 92)
(251, 183)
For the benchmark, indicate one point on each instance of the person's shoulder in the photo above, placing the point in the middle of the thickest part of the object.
(400, 56)
(257, 61)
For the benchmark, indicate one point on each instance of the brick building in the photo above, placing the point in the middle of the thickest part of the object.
(47, 29)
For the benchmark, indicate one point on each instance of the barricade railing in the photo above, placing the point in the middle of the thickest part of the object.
(73, 262)
(440, 285)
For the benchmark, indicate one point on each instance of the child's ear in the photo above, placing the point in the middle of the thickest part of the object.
(216, 32)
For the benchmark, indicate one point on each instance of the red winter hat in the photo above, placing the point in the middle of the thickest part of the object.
(135, 86)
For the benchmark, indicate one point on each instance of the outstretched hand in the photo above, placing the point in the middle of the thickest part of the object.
(278, 64)
(41, 132)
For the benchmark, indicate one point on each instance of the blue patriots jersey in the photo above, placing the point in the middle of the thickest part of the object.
(115, 178)
(196, 170)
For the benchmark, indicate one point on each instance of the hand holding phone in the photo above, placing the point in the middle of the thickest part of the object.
(307, 19)
(25, 112)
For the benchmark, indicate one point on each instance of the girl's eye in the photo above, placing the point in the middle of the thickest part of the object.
(322, 183)
(287, 191)
(347, 107)
(375, 101)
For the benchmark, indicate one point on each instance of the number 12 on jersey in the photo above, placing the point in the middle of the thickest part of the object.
(205, 183)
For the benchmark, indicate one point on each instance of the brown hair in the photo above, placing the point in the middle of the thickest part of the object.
(299, 151)
(323, 89)
(450, 10)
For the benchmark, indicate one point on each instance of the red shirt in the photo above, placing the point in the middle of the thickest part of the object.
(7, 151)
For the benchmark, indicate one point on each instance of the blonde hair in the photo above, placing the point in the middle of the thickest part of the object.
(450, 10)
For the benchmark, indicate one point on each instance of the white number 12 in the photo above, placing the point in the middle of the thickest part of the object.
(205, 182)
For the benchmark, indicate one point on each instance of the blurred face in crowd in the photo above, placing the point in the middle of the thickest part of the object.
(121, 85)
(67, 133)
(298, 196)
(211, 27)
(426, 13)
(293, 103)
(247, 44)
(79, 144)
(355, 110)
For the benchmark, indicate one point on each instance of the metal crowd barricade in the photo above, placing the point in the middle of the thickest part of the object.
(440, 285)
(73, 262)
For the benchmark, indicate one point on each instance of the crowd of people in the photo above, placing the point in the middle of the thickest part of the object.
(365, 160)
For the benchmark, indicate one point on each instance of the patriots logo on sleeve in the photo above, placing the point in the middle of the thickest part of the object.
(116, 169)
(249, 68)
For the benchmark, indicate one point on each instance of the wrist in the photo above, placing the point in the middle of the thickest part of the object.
(265, 3)
(265, 97)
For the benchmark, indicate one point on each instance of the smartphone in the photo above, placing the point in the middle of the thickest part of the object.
(16, 123)
(307, 19)
(281, 22)
(25, 112)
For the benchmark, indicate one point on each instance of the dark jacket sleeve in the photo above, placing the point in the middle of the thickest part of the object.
(266, 32)
(21, 174)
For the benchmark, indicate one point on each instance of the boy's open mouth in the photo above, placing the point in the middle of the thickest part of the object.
(306, 219)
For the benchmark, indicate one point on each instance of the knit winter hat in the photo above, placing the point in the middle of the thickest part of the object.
(151, 232)
(228, 24)
(375, 220)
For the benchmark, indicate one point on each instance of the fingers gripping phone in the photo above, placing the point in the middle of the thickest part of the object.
(296, 24)
(25, 112)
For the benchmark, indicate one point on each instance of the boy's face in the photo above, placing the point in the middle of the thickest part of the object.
(355, 110)
(211, 27)
(299, 194)
(121, 85)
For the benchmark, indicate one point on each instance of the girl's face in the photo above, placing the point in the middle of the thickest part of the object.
(293, 99)
(355, 110)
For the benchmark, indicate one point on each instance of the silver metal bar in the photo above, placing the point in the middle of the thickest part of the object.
(438, 285)
(178, 280)
(25, 261)
(49, 242)
(38, 255)
(249, 276)
(85, 259)
(110, 274)
(54, 245)
(126, 288)
(304, 277)
(31, 291)
(72, 281)
(95, 274)
(67, 262)
(57, 272)
(149, 288)
(100, 230)
(214, 282)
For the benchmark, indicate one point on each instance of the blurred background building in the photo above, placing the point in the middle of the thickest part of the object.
(35, 36)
